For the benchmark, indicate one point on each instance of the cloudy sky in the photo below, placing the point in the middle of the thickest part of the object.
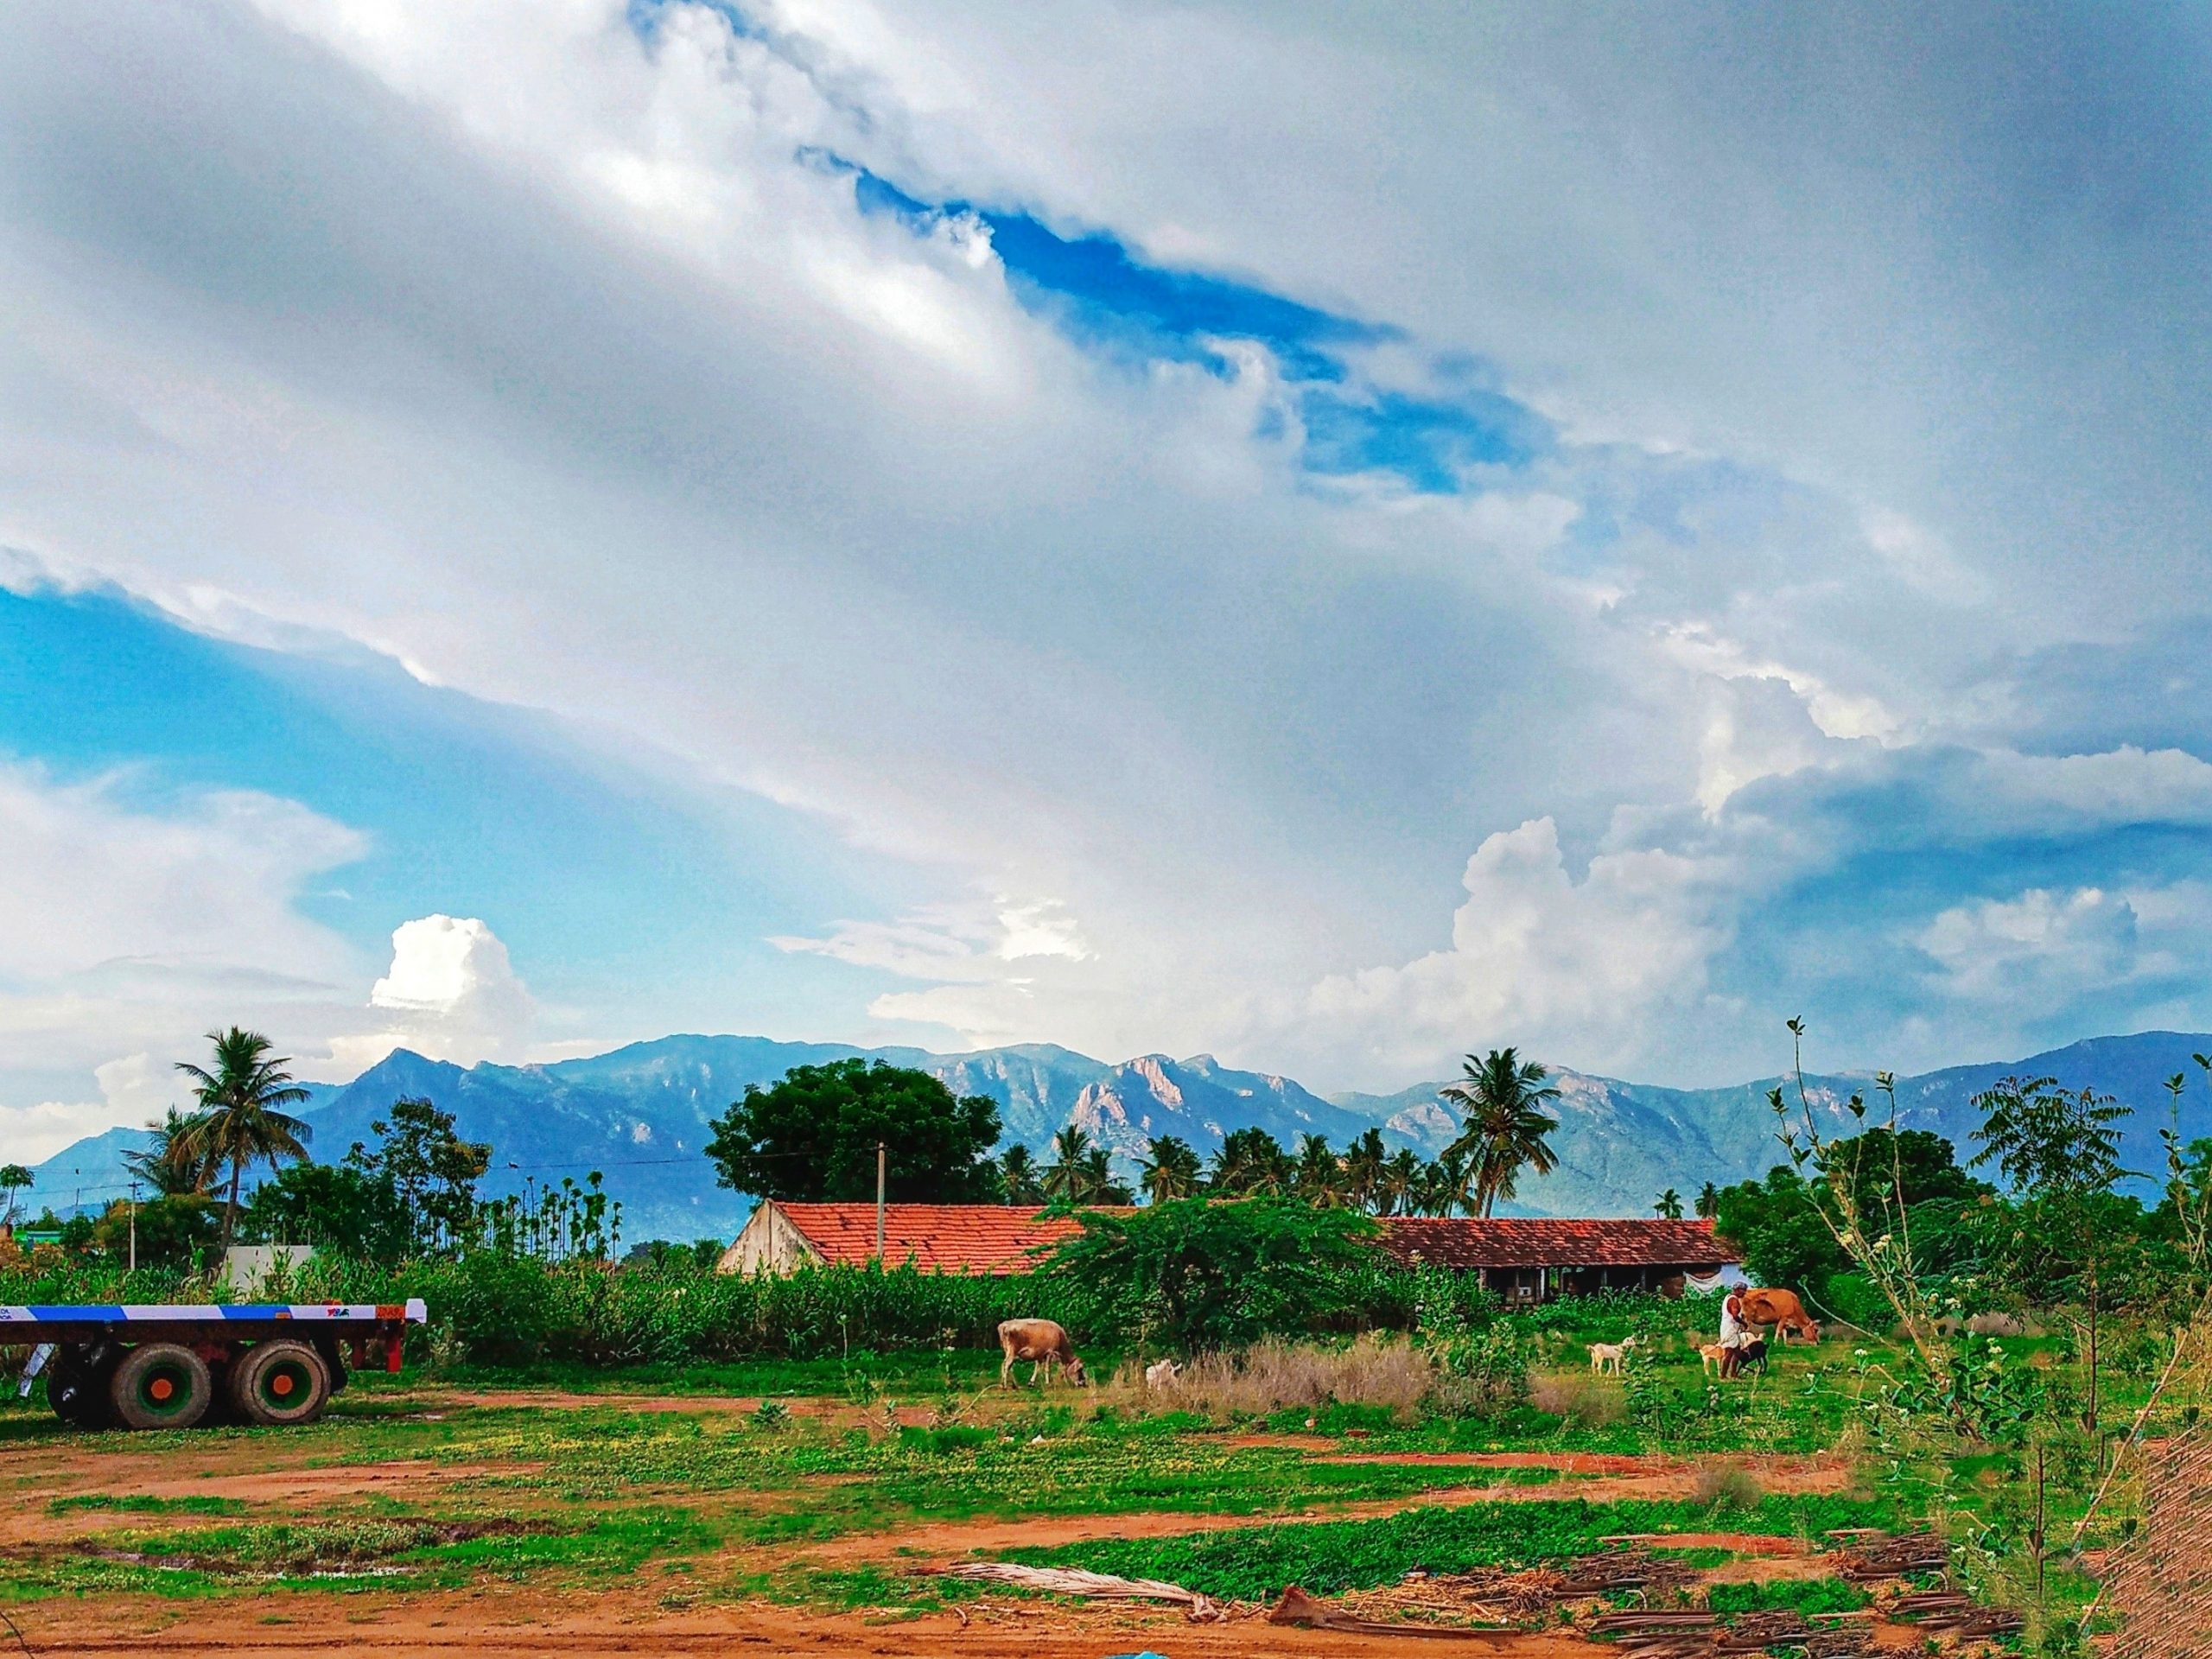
(1327, 536)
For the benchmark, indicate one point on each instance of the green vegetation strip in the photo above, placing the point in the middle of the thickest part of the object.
(1327, 1557)
(145, 1503)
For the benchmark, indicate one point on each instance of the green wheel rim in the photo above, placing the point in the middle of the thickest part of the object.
(165, 1391)
(285, 1386)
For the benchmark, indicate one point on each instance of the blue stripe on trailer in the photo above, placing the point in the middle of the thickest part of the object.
(412, 1311)
(73, 1312)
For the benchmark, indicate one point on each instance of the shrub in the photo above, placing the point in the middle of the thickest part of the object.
(1728, 1486)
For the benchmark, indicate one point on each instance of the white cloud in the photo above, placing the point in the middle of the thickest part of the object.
(91, 883)
(452, 993)
(1539, 959)
(126, 931)
(2035, 951)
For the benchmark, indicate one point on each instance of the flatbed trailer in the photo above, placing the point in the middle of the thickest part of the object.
(142, 1366)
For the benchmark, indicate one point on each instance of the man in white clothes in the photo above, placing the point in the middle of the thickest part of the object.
(1735, 1335)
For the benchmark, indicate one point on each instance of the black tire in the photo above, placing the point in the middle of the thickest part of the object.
(279, 1383)
(76, 1387)
(159, 1385)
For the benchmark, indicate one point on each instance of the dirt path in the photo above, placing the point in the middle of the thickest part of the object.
(496, 1627)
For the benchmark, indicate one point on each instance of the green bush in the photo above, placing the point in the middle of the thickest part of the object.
(1202, 1274)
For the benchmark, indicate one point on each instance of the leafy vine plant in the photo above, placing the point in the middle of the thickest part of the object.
(1878, 1243)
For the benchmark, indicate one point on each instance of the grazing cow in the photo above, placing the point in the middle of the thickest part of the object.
(1608, 1355)
(1041, 1341)
(1160, 1374)
(1782, 1310)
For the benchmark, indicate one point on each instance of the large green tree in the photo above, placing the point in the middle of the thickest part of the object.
(341, 1207)
(431, 1170)
(1199, 1273)
(2059, 1148)
(1500, 1101)
(242, 1121)
(813, 1135)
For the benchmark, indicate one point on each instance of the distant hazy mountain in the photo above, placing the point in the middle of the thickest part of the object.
(1621, 1144)
(640, 1114)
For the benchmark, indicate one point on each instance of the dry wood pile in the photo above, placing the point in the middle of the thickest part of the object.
(1872, 1556)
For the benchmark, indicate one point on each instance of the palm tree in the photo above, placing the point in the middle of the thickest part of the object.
(1670, 1207)
(1250, 1162)
(241, 1121)
(1172, 1171)
(171, 1164)
(1443, 1184)
(1500, 1101)
(1708, 1202)
(1364, 1162)
(1018, 1180)
(1064, 1176)
(1100, 1184)
(1318, 1174)
(1401, 1187)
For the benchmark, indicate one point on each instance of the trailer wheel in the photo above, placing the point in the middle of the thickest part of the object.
(77, 1390)
(279, 1383)
(159, 1385)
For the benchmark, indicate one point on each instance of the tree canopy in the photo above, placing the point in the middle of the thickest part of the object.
(813, 1136)
(1197, 1274)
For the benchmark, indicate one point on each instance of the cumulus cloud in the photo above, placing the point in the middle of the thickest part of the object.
(452, 993)
(1539, 959)
(2033, 947)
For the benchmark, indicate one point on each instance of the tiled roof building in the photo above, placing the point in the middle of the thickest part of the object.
(985, 1239)
(1534, 1258)
(1522, 1259)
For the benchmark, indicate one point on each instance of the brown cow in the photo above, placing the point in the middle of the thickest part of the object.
(1782, 1310)
(1042, 1341)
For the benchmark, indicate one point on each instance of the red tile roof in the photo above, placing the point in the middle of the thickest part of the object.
(1541, 1242)
(936, 1237)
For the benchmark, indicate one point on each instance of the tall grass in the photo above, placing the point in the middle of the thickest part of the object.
(1273, 1376)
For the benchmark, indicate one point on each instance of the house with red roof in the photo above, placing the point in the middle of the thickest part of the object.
(1534, 1258)
(979, 1238)
(1523, 1259)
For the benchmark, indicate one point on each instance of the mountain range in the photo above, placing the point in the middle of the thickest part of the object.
(640, 1114)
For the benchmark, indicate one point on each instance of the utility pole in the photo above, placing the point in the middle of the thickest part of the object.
(879, 1202)
(134, 1224)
